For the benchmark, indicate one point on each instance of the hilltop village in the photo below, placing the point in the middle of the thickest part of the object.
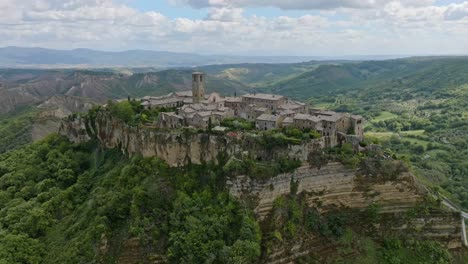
(268, 111)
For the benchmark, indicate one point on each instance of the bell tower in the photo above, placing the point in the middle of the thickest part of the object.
(198, 87)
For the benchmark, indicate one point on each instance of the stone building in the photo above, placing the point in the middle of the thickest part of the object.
(270, 101)
(305, 121)
(235, 103)
(170, 120)
(293, 106)
(268, 121)
(268, 111)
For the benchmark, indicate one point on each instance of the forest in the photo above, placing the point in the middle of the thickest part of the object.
(75, 203)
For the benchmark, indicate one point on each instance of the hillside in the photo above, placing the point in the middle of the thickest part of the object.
(68, 203)
(20, 87)
(259, 75)
(416, 107)
(87, 58)
(417, 73)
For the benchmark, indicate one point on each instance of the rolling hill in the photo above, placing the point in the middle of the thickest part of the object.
(418, 73)
(86, 58)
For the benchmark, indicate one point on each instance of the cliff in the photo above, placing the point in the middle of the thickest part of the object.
(175, 147)
(52, 111)
(332, 187)
(335, 186)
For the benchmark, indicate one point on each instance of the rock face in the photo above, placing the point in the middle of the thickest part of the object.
(176, 148)
(10, 100)
(54, 110)
(336, 186)
(333, 184)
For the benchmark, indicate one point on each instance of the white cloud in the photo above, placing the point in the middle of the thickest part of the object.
(299, 4)
(405, 26)
(225, 14)
(456, 11)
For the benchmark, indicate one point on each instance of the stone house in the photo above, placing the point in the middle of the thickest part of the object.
(268, 121)
(235, 103)
(293, 106)
(199, 119)
(287, 121)
(287, 113)
(252, 111)
(306, 121)
(170, 120)
(269, 101)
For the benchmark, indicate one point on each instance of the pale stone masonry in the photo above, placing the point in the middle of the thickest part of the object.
(268, 121)
(268, 111)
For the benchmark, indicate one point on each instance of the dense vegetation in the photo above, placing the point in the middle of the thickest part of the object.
(67, 203)
(15, 128)
(60, 201)
(133, 113)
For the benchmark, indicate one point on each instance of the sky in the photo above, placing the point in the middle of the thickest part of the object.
(241, 27)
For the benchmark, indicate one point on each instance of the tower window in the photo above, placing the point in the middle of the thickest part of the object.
(194, 78)
(201, 78)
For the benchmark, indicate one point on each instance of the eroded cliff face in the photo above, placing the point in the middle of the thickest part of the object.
(333, 184)
(52, 111)
(336, 186)
(175, 147)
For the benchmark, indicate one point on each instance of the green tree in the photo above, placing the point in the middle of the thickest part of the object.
(20, 249)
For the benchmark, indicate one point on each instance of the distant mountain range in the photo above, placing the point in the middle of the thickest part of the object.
(19, 57)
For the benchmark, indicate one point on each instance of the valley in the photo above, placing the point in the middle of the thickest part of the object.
(124, 192)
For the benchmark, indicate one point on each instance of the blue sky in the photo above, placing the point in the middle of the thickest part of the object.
(241, 27)
(174, 11)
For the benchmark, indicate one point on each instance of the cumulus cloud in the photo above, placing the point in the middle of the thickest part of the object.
(299, 4)
(354, 27)
(456, 11)
(225, 14)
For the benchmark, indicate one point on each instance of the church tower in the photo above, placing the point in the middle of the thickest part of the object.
(198, 87)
